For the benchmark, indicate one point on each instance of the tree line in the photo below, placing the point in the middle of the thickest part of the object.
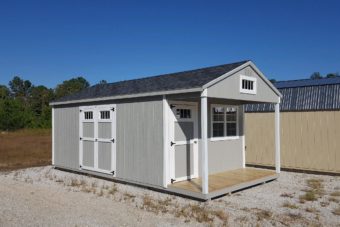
(24, 105)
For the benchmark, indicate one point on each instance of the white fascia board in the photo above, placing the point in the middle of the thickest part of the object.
(248, 63)
(128, 96)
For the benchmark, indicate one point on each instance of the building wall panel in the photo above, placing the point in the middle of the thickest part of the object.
(309, 140)
(140, 142)
(66, 137)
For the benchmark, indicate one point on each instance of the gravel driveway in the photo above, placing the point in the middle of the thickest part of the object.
(45, 196)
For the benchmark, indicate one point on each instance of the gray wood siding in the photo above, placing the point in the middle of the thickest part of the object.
(230, 88)
(66, 137)
(140, 141)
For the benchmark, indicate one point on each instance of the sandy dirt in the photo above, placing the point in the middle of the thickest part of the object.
(44, 196)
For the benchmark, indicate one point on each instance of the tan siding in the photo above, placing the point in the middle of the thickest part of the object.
(309, 140)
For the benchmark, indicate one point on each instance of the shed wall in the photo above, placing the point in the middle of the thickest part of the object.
(309, 140)
(140, 141)
(230, 88)
(66, 137)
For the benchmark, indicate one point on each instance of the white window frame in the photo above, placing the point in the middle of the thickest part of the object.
(247, 91)
(212, 106)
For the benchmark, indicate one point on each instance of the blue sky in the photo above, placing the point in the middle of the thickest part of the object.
(51, 41)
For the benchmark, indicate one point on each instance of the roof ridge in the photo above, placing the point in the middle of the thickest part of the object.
(185, 71)
(306, 79)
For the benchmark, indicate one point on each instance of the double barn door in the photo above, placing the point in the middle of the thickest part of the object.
(97, 138)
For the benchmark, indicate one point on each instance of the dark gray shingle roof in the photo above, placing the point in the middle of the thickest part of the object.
(304, 95)
(167, 82)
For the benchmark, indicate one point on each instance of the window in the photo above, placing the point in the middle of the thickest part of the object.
(224, 121)
(247, 84)
(105, 114)
(88, 115)
(183, 113)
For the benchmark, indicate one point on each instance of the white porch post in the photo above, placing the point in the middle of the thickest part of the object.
(204, 147)
(277, 137)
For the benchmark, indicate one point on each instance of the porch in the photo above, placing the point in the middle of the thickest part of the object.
(223, 182)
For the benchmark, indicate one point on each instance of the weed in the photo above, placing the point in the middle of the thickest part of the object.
(128, 196)
(221, 215)
(263, 214)
(153, 206)
(287, 195)
(336, 193)
(113, 190)
(311, 210)
(315, 183)
(333, 199)
(290, 205)
(295, 215)
(308, 196)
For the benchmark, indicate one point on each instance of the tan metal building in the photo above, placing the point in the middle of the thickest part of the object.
(310, 127)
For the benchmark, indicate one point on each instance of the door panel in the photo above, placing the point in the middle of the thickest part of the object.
(104, 155)
(88, 153)
(184, 131)
(104, 130)
(184, 161)
(88, 129)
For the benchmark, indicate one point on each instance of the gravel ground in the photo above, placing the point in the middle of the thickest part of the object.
(44, 196)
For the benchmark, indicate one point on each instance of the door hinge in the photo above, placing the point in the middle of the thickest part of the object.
(172, 143)
(80, 110)
(113, 172)
(80, 166)
(80, 138)
(172, 106)
(113, 109)
(113, 140)
(172, 181)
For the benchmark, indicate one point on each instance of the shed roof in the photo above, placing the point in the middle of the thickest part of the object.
(161, 83)
(304, 95)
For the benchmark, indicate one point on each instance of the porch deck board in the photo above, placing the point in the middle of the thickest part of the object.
(223, 180)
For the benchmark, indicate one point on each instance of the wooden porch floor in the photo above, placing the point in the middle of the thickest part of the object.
(234, 179)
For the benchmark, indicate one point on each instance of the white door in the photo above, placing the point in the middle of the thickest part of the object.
(97, 146)
(183, 141)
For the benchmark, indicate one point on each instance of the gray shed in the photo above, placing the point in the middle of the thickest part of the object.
(180, 132)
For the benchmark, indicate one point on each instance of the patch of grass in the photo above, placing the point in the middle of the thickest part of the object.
(295, 215)
(113, 190)
(201, 214)
(333, 199)
(314, 192)
(25, 148)
(222, 216)
(315, 183)
(154, 206)
(290, 205)
(287, 195)
(336, 193)
(263, 214)
(128, 196)
(311, 210)
(336, 211)
(308, 196)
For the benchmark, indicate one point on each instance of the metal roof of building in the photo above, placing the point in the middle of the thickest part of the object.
(167, 82)
(304, 95)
